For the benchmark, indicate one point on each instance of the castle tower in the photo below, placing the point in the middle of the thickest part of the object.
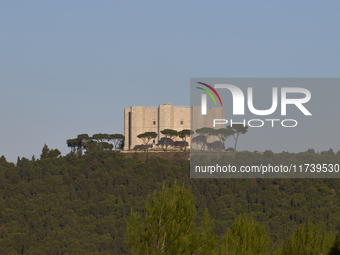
(140, 119)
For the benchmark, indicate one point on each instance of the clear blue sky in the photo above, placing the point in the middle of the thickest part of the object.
(71, 67)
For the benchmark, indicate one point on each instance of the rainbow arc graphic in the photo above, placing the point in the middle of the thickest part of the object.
(209, 93)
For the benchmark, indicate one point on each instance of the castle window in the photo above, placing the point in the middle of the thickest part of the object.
(181, 122)
(154, 122)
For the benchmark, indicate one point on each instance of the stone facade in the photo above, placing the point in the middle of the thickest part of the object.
(141, 119)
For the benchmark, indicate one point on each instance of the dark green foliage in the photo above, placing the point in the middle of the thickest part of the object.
(168, 226)
(309, 239)
(78, 143)
(147, 137)
(117, 140)
(169, 135)
(92, 146)
(54, 153)
(73, 144)
(44, 152)
(107, 146)
(100, 138)
(246, 237)
(96, 142)
(204, 131)
(202, 138)
(222, 135)
(66, 205)
(268, 154)
(47, 153)
(200, 141)
(184, 134)
(238, 130)
(76, 204)
(82, 140)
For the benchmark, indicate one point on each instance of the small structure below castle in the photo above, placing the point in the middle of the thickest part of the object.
(141, 119)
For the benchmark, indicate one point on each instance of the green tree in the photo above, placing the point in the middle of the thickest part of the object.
(44, 152)
(246, 237)
(222, 134)
(117, 140)
(309, 239)
(54, 153)
(73, 144)
(200, 140)
(146, 138)
(91, 145)
(107, 146)
(238, 129)
(169, 135)
(204, 132)
(82, 140)
(47, 153)
(168, 225)
(184, 134)
(100, 138)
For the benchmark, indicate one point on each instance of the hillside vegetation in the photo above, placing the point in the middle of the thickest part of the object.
(75, 204)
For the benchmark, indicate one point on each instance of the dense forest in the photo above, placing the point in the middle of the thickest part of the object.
(82, 204)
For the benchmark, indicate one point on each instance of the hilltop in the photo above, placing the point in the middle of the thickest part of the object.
(73, 204)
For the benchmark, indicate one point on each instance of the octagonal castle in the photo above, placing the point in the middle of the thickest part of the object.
(141, 119)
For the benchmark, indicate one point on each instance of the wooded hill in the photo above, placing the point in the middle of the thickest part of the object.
(75, 204)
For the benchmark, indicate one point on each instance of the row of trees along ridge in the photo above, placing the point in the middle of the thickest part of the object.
(200, 140)
(97, 141)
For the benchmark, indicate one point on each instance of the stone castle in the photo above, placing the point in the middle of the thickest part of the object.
(141, 119)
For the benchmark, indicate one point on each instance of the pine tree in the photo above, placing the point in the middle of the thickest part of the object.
(168, 225)
(44, 152)
(246, 237)
(309, 239)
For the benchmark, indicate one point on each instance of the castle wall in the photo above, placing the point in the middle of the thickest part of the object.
(181, 118)
(140, 119)
(166, 118)
(127, 128)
